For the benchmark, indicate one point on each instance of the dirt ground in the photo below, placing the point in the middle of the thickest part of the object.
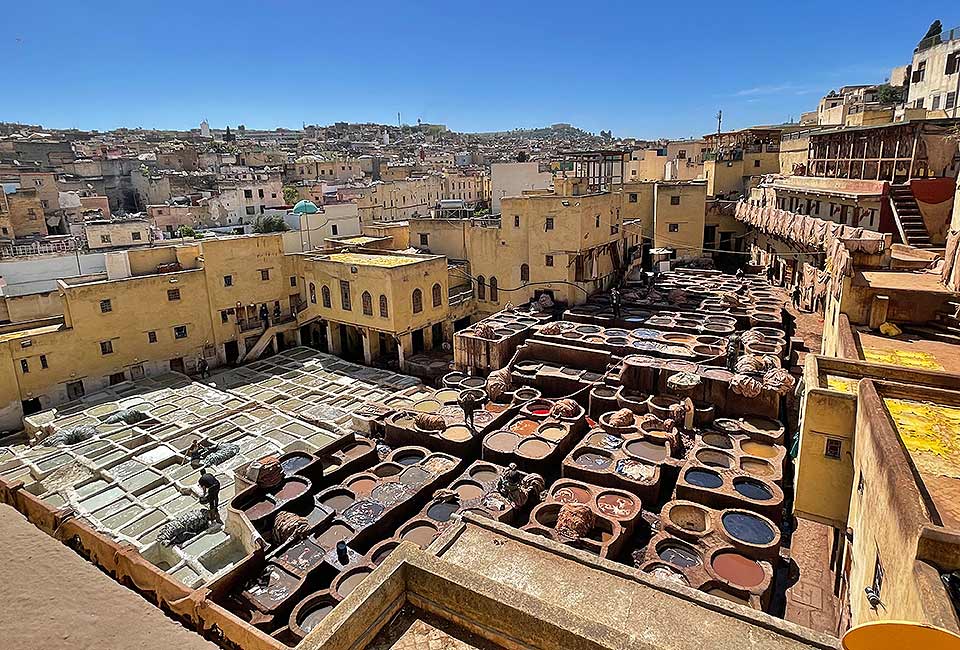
(53, 599)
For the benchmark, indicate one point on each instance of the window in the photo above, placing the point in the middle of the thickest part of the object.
(494, 293)
(516, 221)
(860, 485)
(151, 337)
(424, 239)
(180, 332)
(832, 448)
(264, 274)
(417, 301)
(250, 210)
(106, 347)
(135, 236)
(953, 63)
(682, 154)
(106, 306)
(437, 295)
(43, 362)
(951, 100)
(325, 296)
(366, 301)
(596, 221)
(675, 200)
(333, 229)
(918, 103)
(756, 163)
(548, 260)
(936, 102)
(24, 366)
(313, 293)
(920, 72)
(173, 294)
(345, 295)
(674, 227)
(878, 574)
(549, 224)
(5, 231)
(633, 197)
(228, 280)
(117, 378)
(104, 239)
(481, 288)
(293, 280)
(524, 273)
(224, 316)
(260, 193)
(384, 313)
(248, 194)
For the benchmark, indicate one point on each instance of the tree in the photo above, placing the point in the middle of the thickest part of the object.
(290, 195)
(887, 94)
(270, 223)
(523, 156)
(228, 137)
(186, 231)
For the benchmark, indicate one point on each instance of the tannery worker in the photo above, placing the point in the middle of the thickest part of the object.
(210, 488)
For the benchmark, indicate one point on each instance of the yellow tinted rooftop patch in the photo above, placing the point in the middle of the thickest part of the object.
(359, 240)
(930, 432)
(359, 259)
(902, 358)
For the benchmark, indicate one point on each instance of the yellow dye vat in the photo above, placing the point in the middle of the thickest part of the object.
(358, 259)
(902, 358)
(930, 432)
(842, 384)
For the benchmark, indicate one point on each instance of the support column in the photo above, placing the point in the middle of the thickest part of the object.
(404, 350)
(427, 338)
(333, 338)
(878, 311)
(371, 346)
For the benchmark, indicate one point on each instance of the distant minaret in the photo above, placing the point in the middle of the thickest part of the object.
(386, 137)
(204, 129)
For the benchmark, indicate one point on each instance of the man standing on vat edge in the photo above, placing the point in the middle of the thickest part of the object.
(210, 495)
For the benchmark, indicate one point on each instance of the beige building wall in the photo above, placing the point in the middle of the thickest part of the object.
(679, 211)
(26, 214)
(116, 234)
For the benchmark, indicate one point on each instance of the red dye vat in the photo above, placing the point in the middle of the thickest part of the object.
(540, 411)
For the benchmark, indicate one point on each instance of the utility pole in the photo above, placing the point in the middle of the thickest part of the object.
(719, 121)
(398, 119)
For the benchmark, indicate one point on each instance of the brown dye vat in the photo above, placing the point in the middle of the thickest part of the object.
(535, 448)
(552, 432)
(336, 533)
(717, 440)
(647, 450)
(339, 500)
(259, 509)
(473, 382)
(467, 490)
(351, 581)
(493, 407)
(362, 486)
(420, 534)
(484, 473)
(383, 470)
(571, 494)
(713, 458)
(456, 434)
(689, 518)
(738, 570)
(314, 616)
(524, 427)
(503, 441)
(757, 467)
(414, 476)
(291, 490)
(383, 552)
(759, 449)
(618, 506)
(677, 337)
(707, 350)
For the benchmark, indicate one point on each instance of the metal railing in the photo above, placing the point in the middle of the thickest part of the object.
(942, 37)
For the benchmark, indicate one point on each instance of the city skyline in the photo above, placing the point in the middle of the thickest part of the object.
(151, 69)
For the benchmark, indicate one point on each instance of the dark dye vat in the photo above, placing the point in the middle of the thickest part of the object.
(678, 555)
(593, 460)
(408, 459)
(752, 489)
(718, 440)
(442, 511)
(414, 476)
(363, 513)
(314, 616)
(747, 527)
(294, 464)
(703, 478)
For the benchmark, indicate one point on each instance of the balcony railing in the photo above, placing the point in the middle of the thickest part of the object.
(942, 37)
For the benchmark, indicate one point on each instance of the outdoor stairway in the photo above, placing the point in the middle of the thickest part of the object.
(264, 340)
(946, 328)
(906, 212)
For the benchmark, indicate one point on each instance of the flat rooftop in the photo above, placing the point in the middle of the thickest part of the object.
(362, 259)
(904, 281)
(909, 350)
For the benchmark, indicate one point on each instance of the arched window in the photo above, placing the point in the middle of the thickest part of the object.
(383, 307)
(367, 302)
(481, 288)
(524, 273)
(494, 295)
(325, 296)
(417, 301)
(313, 293)
(437, 295)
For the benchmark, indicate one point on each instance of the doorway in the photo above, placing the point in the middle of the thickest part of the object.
(176, 365)
(417, 341)
(436, 333)
(31, 406)
(231, 351)
(75, 390)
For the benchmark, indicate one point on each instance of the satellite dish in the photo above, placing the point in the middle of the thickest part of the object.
(896, 635)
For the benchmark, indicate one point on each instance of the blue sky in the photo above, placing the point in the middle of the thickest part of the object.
(642, 69)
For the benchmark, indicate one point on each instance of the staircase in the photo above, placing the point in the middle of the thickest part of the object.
(946, 328)
(264, 340)
(906, 213)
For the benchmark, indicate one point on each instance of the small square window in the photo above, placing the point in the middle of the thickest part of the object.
(135, 236)
(549, 224)
(24, 366)
(224, 316)
(264, 274)
(250, 210)
(106, 306)
(756, 163)
(673, 227)
(104, 239)
(180, 332)
(152, 337)
(833, 448)
(293, 280)
(248, 194)
(228, 280)
(173, 294)
(424, 239)
(633, 197)
(43, 361)
(516, 221)
(106, 347)
(548, 260)
(675, 200)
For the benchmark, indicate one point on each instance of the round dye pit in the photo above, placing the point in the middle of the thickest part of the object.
(409, 457)
(333, 534)
(443, 510)
(756, 467)
(502, 441)
(703, 478)
(738, 570)
(468, 490)
(338, 500)
(295, 463)
(351, 581)
(456, 434)
(616, 505)
(604, 441)
(535, 448)
(592, 460)
(448, 396)
(484, 473)
(552, 432)
(473, 382)
(712, 458)
(420, 534)
(524, 427)
(414, 476)
(310, 618)
(427, 406)
(291, 490)
(752, 489)
(689, 518)
(678, 554)
(635, 470)
(388, 493)
(383, 552)
(759, 449)
(647, 450)
(383, 470)
(259, 509)
(571, 494)
(748, 528)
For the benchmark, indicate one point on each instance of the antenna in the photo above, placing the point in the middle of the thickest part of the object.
(719, 121)
(398, 119)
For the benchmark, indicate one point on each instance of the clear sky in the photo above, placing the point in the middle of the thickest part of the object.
(644, 69)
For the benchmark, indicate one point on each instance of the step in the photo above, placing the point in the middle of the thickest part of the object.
(931, 333)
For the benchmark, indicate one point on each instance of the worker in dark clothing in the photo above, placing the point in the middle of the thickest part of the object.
(210, 487)
(469, 404)
(265, 315)
(796, 296)
(733, 344)
(276, 312)
(739, 274)
(203, 368)
(770, 273)
(615, 302)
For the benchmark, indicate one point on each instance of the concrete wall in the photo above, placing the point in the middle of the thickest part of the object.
(511, 179)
